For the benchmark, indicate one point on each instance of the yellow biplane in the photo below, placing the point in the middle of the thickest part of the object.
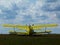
(29, 28)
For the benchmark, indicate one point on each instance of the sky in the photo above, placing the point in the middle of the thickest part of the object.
(29, 12)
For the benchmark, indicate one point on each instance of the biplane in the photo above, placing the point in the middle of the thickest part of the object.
(29, 28)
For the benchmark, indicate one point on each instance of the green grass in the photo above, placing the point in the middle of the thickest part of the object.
(29, 40)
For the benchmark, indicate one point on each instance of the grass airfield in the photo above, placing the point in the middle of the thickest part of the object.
(50, 39)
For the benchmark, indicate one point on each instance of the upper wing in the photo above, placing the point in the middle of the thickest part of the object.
(25, 27)
(9, 25)
(44, 25)
(50, 25)
(36, 27)
(16, 26)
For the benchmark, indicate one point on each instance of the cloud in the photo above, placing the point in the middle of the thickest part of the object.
(21, 8)
(51, 1)
(0, 11)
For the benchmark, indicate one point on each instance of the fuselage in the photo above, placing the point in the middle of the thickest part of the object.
(30, 31)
